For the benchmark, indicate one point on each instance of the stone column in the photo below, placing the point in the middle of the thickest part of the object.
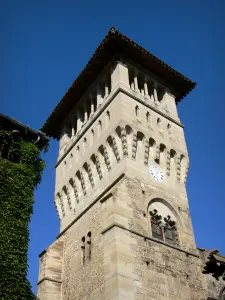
(106, 88)
(171, 104)
(73, 126)
(146, 88)
(79, 123)
(85, 113)
(155, 93)
(99, 96)
(92, 106)
(119, 74)
(135, 81)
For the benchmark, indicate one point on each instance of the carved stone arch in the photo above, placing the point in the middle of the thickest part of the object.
(58, 206)
(163, 222)
(183, 166)
(140, 149)
(66, 197)
(173, 163)
(60, 203)
(111, 147)
(162, 156)
(152, 149)
(73, 190)
(124, 141)
(115, 148)
(96, 168)
(118, 137)
(180, 224)
(87, 176)
(129, 135)
(102, 159)
(80, 184)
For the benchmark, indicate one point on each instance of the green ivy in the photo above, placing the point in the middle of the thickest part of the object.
(21, 169)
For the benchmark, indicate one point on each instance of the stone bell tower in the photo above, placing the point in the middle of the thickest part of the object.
(120, 194)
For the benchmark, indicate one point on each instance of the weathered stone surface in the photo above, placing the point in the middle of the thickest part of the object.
(104, 194)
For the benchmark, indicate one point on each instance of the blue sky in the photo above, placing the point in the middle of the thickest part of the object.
(45, 45)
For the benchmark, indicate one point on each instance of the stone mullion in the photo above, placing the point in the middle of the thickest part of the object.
(168, 159)
(115, 149)
(61, 204)
(134, 146)
(82, 183)
(146, 154)
(98, 166)
(90, 175)
(106, 158)
(68, 198)
(124, 141)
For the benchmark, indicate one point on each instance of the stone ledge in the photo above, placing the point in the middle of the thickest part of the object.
(49, 279)
(148, 238)
(92, 203)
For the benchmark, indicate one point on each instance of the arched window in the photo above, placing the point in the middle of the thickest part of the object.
(148, 117)
(169, 129)
(163, 223)
(159, 123)
(137, 111)
(107, 117)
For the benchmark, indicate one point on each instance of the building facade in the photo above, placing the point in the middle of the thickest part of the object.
(120, 193)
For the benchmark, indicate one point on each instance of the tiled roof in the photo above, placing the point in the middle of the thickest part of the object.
(114, 42)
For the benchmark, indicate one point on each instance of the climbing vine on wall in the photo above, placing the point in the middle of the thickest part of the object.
(21, 168)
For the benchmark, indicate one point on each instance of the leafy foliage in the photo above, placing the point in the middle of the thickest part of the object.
(20, 172)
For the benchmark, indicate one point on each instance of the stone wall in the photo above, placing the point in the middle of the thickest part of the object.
(50, 272)
(166, 273)
(139, 266)
(84, 280)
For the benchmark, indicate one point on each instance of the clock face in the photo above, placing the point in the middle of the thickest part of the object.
(156, 173)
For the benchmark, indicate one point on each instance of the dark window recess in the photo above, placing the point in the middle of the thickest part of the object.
(170, 235)
(157, 231)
